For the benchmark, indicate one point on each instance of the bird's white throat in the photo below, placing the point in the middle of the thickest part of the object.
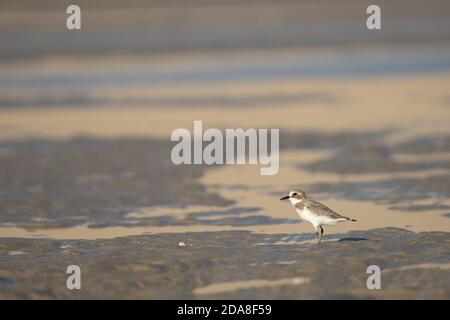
(294, 201)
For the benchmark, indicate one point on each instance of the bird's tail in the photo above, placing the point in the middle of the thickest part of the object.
(350, 219)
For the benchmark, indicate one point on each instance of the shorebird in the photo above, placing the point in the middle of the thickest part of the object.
(314, 212)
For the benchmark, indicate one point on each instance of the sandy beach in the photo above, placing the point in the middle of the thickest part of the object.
(87, 177)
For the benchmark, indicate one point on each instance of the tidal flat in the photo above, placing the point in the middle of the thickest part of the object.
(229, 265)
(119, 209)
(86, 176)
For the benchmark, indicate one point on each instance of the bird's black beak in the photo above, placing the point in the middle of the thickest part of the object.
(284, 198)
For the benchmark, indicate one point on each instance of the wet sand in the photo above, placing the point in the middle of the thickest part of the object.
(106, 202)
(85, 148)
(154, 27)
(229, 265)
(314, 157)
(421, 95)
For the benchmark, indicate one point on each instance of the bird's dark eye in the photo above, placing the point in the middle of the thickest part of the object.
(294, 194)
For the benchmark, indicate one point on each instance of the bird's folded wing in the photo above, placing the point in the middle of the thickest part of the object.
(322, 210)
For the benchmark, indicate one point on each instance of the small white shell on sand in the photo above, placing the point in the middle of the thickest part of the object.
(181, 244)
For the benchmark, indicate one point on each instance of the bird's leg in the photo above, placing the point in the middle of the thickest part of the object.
(317, 234)
(321, 233)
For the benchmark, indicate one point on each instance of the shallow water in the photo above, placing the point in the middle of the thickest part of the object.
(253, 197)
(250, 284)
(95, 186)
(322, 65)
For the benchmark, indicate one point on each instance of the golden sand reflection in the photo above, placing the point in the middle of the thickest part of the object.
(416, 98)
(216, 288)
(255, 190)
(262, 190)
(412, 105)
(438, 266)
(177, 212)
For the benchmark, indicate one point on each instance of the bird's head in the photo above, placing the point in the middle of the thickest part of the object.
(295, 195)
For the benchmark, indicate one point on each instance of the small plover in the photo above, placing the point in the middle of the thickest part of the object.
(314, 212)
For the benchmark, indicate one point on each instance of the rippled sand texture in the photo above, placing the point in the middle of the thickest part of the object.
(86, 176)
